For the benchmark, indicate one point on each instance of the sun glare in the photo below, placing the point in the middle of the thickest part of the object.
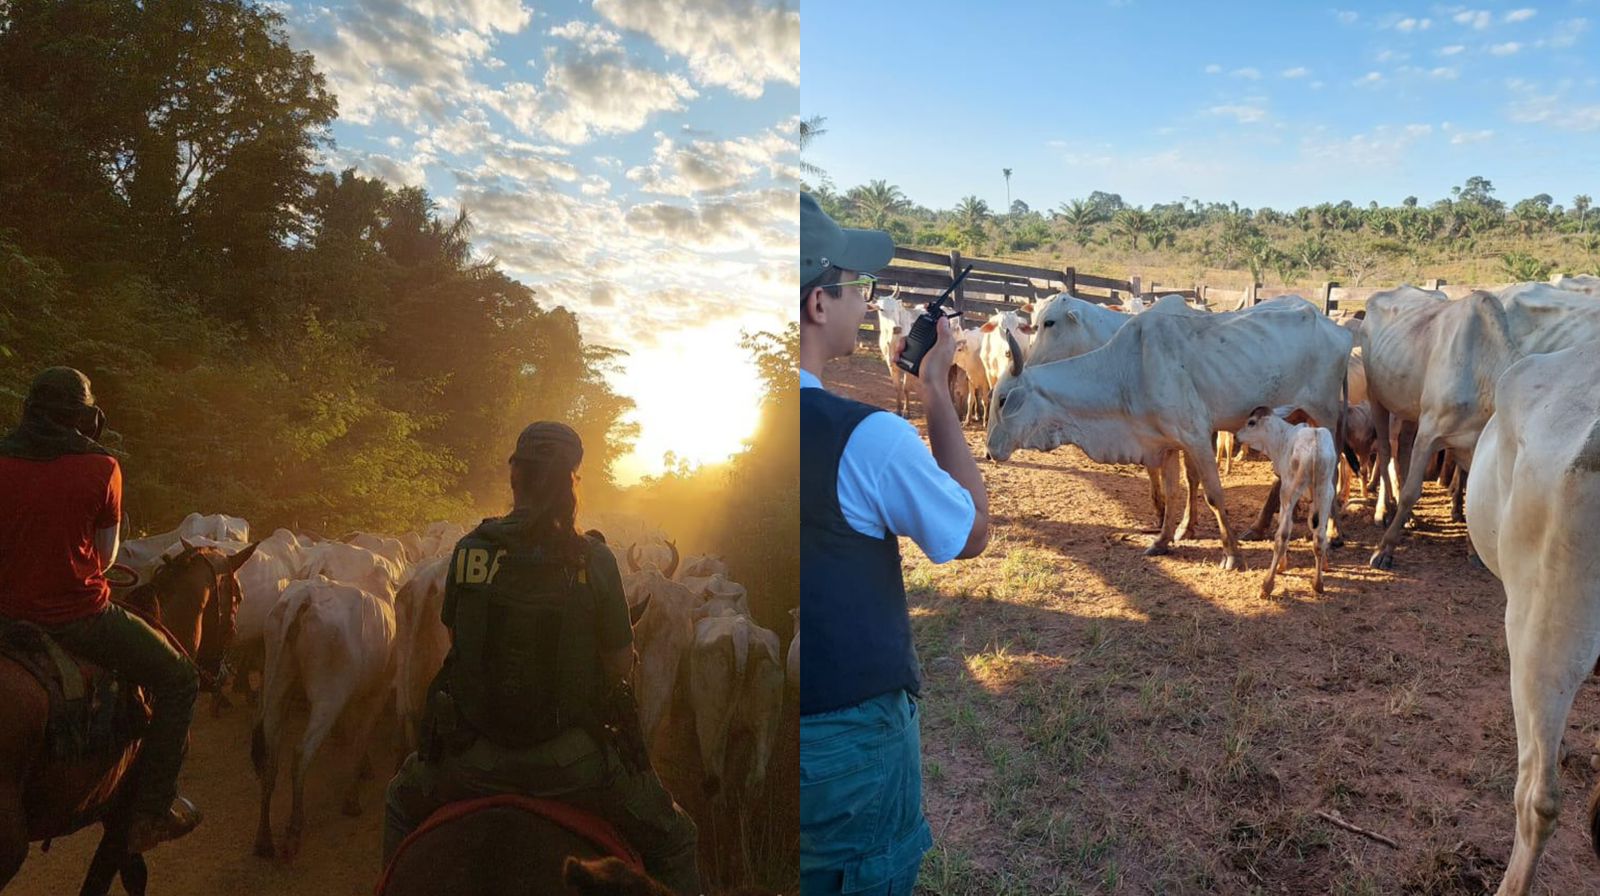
(698, 397)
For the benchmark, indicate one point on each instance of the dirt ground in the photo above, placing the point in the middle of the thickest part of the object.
(1095, 721)
(342, 855)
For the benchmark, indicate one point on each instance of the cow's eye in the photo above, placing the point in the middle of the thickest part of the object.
(1049, 323)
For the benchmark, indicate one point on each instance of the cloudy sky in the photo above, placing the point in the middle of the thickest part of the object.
(633, 160)
(1263, 103)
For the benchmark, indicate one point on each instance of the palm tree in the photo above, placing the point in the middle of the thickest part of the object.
(1007, 173)
(810, 129)
(877, 202)
(971, 215)
(1580, 204)
(1132, 223)
(1522, 267)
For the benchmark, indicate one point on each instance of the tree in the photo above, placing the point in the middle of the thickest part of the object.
(1522, 267)
(810, 129)
(1580, 205)
(1132, 223)
(1007, 173)
(877, 202)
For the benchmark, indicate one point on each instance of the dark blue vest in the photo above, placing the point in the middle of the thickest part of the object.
(857, 642)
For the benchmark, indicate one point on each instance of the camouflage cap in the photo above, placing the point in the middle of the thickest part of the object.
(60, 388)
(548, 439)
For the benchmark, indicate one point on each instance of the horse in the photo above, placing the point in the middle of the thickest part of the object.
(192, 599)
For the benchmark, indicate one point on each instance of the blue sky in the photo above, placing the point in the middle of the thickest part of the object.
(632, 160)
(1276, 104)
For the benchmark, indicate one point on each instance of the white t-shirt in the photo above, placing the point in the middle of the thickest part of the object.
(889, 482)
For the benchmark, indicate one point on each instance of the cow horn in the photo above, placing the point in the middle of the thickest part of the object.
(673, 566)
(1016, 354)
(633, 558)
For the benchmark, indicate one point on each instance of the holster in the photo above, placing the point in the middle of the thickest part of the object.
(443, 731)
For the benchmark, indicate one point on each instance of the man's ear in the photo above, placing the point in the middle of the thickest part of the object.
(814, 309)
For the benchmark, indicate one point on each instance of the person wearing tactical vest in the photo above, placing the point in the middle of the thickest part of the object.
(865, 479)
(535, 696)
(60, 522)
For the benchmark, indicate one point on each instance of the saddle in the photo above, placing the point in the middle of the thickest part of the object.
(92, 712)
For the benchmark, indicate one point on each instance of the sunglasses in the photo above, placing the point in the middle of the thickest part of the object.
(868, 283)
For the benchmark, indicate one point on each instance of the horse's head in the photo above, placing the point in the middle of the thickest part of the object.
(195, 596)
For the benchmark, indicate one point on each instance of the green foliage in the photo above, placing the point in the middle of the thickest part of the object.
(293, 346)
(1520, 266)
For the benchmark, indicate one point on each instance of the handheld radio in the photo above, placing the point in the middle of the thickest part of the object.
(925, 330)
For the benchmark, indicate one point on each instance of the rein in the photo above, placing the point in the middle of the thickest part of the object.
(211, 614)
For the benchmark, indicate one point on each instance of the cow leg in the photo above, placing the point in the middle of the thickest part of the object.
(1280, 543)
(1458, 492)
(1158, 497)
(1382, 483)
(1232, 558)
(13, 832)
(1410, 490)
(1190, 525)
(1169, 516)
(323, 714)
(365, 717)
(265, 750)
(1269, 506)
(1552, 644)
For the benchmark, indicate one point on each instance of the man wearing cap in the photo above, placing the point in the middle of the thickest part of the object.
(865, 479)
(535, 696)
(60, 515)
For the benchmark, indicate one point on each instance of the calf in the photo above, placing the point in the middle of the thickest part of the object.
(1303, 458)
(894, 322)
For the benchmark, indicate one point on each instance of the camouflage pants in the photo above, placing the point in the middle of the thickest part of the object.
(572, 768)
(122, 642)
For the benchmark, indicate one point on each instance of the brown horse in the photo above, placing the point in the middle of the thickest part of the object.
(192, 598)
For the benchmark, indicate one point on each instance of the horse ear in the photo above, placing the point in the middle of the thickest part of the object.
(239, 559)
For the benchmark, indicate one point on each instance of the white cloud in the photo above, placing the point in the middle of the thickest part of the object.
(1213, 69)
(481, 15)
(1451, 50)
(1476, 18)
(1247, 73)
(1367, 80)
(595, 185)
(1521, 15)
(1347, 16)
(1532, 106)
(707, 166)
(588, 35)
(1568, 32)
(1244, 114)
(1444, 73)
(399, 172)
(1505, 49)
(737, 44)
(1383, 146)
(1298, 71)
(1409, 24)
(1471, 137)
(1392, 56)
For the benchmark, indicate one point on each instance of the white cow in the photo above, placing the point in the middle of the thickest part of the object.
(659, 554)
(894, 322)
(736, 686)
(1305, 462)
(1004, 334)
(330, 642)
(662, 637)
(1587, 284)
(387, 547)
(699, 565)
(1533, 495)
(1166, 382)
(421, 641)
(717, 594)
(793, 659)
(353, 566)
(142, 554)
(969, 360)
(1435, 361)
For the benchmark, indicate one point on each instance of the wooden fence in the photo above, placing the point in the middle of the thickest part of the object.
(995, 286)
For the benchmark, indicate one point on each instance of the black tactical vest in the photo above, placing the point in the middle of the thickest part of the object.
(525, 664)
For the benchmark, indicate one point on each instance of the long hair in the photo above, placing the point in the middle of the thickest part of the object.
(547, 491)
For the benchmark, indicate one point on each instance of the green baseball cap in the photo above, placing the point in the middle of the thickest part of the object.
(549, 439)
(824, 244)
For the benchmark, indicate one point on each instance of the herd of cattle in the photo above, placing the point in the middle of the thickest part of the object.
(350, 627)
(1504, 383)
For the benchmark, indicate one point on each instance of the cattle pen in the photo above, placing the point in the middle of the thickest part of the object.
(1096, 721)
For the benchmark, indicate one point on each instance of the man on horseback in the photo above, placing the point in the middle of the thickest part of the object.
(533, 697)
(60, 516)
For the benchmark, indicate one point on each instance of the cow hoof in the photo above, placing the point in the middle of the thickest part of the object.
(1183, 534)
(1232, 561)
(1382, 560)
(1457, 516)
(1158, 550)
(1252, 535)
(1336, 542)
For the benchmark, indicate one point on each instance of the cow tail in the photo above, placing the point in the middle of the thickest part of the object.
(741, 649)
(280, 675)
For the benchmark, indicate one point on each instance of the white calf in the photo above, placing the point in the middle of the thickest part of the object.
(1303, 458)
(894, 322)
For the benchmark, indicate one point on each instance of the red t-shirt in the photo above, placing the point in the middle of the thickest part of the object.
(50, 572)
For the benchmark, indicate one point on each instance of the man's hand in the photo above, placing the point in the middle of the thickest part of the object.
(934, 374)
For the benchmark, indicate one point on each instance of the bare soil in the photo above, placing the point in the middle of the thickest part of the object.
(1096, 721)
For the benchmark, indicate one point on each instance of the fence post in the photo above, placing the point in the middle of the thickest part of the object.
(1434, 283)
(960, 295)
(1070, 278)
(1329, 305)
(1250, 295)
(1133, 285)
